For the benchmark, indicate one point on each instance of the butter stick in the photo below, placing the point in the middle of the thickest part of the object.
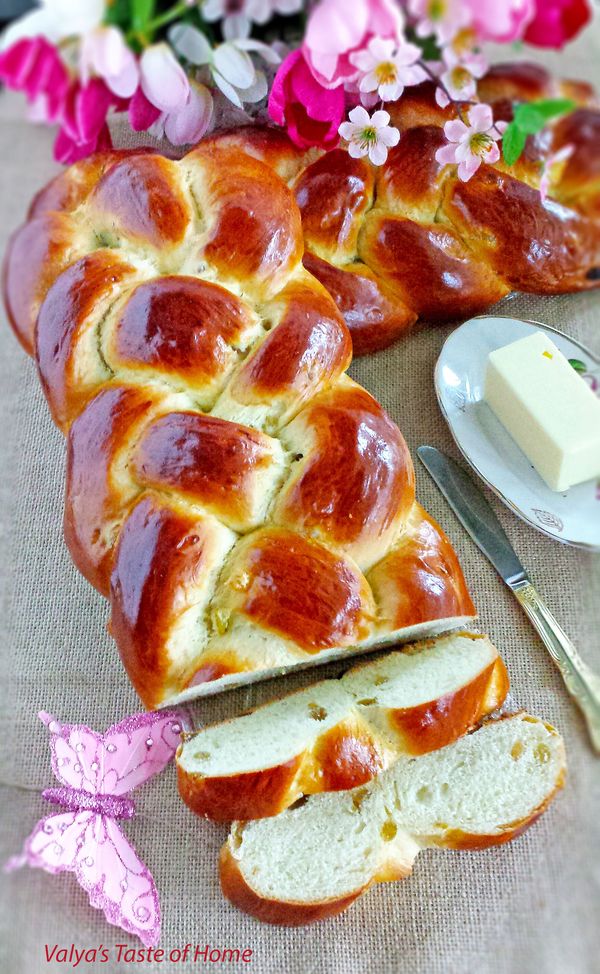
(548, 409)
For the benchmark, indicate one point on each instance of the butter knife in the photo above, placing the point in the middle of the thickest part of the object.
(476, 515)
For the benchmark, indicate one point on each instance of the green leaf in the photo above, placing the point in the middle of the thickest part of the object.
(142, 11)
(529, 119)
(513, 143)
(578, 365)
(553, 107)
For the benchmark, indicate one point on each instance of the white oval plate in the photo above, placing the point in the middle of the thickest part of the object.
(572, 517)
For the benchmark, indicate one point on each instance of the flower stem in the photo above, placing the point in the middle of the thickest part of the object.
(438, 81)
(167, 16)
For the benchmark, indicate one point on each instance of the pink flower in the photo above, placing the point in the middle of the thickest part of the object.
(440, 18)
(497, 20)
(387, 67)
(333, 34)
(311, 113)
(553, 169)
(371, 136)
(460, 77)
(34, 66)
(557, 21)
(472, 144)
(141, 112)
(163, 80)
(105, 53)
(84, 129)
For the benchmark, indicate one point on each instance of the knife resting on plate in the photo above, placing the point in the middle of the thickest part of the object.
(476, 515)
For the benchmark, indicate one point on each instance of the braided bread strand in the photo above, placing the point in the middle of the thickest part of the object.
(409, 240)
(244, 505)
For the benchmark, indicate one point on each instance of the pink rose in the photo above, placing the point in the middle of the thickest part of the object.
(332, 34)
(34, 66)
(557, 21)
(497, 20)
(311, 113)
(84, 128)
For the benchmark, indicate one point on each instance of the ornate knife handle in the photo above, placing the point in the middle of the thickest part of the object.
(581, 682)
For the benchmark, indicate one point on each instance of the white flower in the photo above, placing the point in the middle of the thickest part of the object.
(56, 19)
(230, 64)
(440, 18)
(472, 144)
(369, 135)
(189, 123)
(387, 67)
(237, 16)
(104, 52)
(553, 169)
(163, 80)
(460, 77)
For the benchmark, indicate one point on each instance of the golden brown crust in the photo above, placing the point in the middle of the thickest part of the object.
(358, 481)
(95, 505)
(237, 891)
(210, 405)
(418, 580)
(409, 240)
(256, 794)
(302, 591)
(160, 555)
(374, 312)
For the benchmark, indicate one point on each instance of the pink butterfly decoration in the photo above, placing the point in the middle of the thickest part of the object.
(97, 772)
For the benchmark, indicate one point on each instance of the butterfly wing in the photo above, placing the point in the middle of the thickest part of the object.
(75, 752)
(95, 849)
(54, 843)
(137, 748)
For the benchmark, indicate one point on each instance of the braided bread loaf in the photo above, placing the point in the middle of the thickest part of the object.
(246, 507)
(409, 239)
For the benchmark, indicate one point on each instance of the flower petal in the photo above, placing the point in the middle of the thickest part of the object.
(257, 91)
(357, 150)
(468, 168)
(392, 91)
(191, 122)
(190, 43)
(228, 90)
(380, 119)
(481, 117)
(347, 130)
(263, 50)
(389, 136)
(235, 26)
(234, 65)
(378, 154)
(142, 113)
(163, 80)
(493, 154)
(360, 116)
(455, 130)
(446, 156)
(441, 98)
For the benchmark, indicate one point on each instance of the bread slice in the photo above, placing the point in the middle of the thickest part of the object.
(339, 733)
(314, 860)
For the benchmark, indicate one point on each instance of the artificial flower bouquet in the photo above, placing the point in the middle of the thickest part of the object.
(324, 70)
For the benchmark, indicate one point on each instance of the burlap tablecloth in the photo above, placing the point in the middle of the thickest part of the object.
(532, 907)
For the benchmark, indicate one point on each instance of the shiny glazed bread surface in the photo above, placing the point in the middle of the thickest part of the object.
(408, 240)
(243, 504)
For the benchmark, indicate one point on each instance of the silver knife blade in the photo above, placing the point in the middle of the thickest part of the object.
(474, 513)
